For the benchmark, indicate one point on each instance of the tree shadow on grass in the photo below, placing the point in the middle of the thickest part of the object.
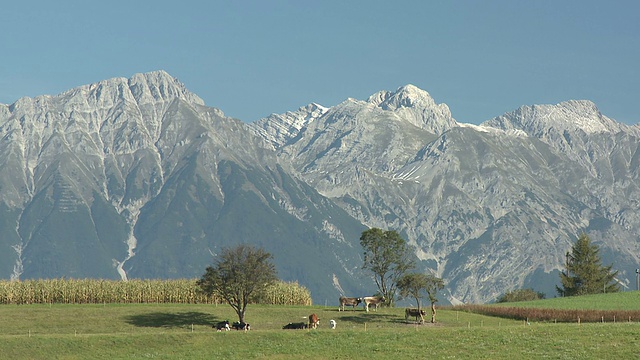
(369, 318)
(172, 320)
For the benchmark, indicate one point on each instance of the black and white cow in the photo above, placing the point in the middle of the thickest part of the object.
(222, 326)
(294, 326)
(241, 326)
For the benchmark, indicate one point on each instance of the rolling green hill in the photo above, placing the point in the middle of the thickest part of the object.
(629, 300)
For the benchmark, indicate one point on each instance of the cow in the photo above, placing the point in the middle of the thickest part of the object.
(222, 325)
(313, 321)
(372, 300)
(299, 325)
(332, 324)
(408, 312)
(349, 301)
(241, 326)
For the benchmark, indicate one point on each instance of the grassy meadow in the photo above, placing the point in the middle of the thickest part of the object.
(628, 300)
(616, 307)
(183, 331)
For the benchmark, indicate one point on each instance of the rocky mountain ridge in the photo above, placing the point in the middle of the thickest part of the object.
(138, 178)
(487, 207)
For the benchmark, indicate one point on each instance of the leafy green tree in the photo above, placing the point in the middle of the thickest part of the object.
(417, 285)
(388, 257)
(584, 273)
(520, 295)
(237, 274)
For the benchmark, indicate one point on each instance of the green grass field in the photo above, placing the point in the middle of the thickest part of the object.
(151, 331)
(629, 300)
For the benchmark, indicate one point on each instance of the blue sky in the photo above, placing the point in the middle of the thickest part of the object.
(254, 58)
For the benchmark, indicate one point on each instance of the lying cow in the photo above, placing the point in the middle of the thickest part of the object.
(313, 321)
(372, 300)
(222, 325)
(294, 326)
(414, 313)
(349, 301)
(241, 326)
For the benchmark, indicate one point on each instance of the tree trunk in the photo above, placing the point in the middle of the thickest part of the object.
(241, 315)
(433, 313)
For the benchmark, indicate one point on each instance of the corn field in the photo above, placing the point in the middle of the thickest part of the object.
(95, 291)
(285, 293)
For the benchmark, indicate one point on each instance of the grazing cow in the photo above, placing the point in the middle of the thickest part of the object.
(349, 301)
(299, 325)
(414, 313)
(332, 324)
(372, 300)
(313, 321)
(241, 326)
(222, 325)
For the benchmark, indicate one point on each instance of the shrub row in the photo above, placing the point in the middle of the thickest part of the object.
(560, 315)
(95, 291)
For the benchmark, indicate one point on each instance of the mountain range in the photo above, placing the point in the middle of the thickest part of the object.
(138, 178)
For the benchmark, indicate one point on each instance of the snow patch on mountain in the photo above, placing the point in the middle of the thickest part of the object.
(488, 129)
(278, 129)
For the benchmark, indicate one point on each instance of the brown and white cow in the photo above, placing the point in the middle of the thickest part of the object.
(372, 300)
(408, 312)
(349, 301)
(313, 321)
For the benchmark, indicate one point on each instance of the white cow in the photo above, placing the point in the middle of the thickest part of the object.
(372, 300)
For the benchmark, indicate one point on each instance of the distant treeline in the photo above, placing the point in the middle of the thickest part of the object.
(552, 315)
(95, 291)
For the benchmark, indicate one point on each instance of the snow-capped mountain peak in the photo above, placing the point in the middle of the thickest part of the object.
(405, 96)
(416, 106)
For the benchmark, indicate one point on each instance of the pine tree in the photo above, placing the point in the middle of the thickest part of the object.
(584, 273)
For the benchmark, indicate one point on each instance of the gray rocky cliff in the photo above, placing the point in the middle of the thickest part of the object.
(138, 178)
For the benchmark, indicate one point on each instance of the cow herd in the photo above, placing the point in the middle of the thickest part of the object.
(376, 301)
(224, 326)
(313, 323)
(368, 301)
